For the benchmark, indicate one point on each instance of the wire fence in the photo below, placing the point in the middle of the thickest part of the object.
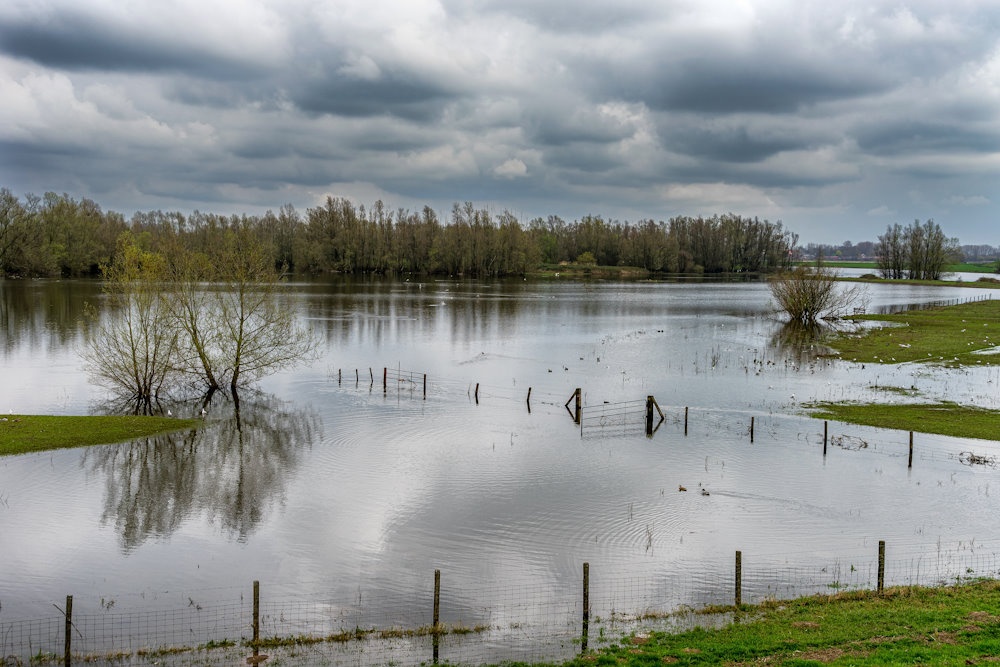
(445, 619)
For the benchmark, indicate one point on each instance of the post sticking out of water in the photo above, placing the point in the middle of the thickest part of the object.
(824, 437)
(477, 393)
(586, 606)
(529, 399)
(357, 377)
(649, 416)
(67, 648)
(909, 463)
(751, 429)
(437, 612)
(881, 565)
(372, 374)
(685, 420)
(739, 578)
(256, 614)
(579, 406)
(425, 386)
(338, 375)
(385, 380)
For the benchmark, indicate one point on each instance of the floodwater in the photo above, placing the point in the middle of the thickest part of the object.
(325, 483)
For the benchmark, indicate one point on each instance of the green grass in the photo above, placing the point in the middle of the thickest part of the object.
(945, 335)
(20, 434)
(951, 419)
(965, 267)
(986, 282)
(903, 626)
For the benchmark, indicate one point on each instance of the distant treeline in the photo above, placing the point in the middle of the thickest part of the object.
(56, 235)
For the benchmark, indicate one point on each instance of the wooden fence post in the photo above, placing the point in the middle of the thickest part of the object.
(739, 578)
(477, 393)
(437, 613)
(909, 463)
(385, 379)
(528, 401)
(425, 386)
(881, 565)
(586, 606)
(685, 420)
(256, 613)
(824, 437)
(67, 648)
(649, 416)
(579, 403)
(751, 429)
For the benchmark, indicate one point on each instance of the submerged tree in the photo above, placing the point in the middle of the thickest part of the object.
(809, 294)
(133, 350)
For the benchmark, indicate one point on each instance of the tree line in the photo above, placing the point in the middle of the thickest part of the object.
(57, 235)
(919, 251)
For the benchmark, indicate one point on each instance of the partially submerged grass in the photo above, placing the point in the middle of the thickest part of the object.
(20, 434)
(902, 626)
(948, 335)
(951, 419)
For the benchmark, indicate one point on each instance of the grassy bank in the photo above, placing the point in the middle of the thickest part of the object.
(33, 433)
(903, 626)
(943, 418)
(986, 282)
(589, 271)
(965, 267)
(946, 335)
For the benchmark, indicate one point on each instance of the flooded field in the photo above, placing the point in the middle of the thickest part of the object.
(330, 486)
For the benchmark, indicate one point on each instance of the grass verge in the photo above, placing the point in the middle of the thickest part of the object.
(20, 434)
(903, 626)
(965, 267)
(951, 419)
(949, 335)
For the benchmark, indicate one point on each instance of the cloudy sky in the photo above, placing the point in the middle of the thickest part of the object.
(836, 117)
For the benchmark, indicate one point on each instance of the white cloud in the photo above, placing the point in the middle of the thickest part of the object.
(513, 168)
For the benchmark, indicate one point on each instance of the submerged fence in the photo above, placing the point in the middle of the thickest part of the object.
(449, 621)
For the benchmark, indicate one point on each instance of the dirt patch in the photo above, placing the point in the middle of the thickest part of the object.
(826, 655)
(984, 618)
(669, 660)
(691, 650)
(945, 637)
(881, 639)
(640, 639)
(805, 625)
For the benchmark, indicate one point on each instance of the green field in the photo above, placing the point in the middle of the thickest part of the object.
(959, 421)
(966, 267)
(949, 335)
(32, 433)
(902, 626)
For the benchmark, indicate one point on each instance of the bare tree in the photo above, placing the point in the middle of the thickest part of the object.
(809, 294)
(133, 350)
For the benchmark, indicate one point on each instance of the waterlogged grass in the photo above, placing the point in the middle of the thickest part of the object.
(20, 434)
(965, 267)
(951, 419)
(903, 626)
(949, 335)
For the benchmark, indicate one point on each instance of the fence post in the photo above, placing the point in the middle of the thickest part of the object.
(751, 429)
(437, 613)
(649, 416)
(477, 393)
(385, 379)
(372, 374)
(685, 420)
(425, 386)
(881, 565)
(528, 401)
(579, 406)
(909, 463)
(339, 370)
(586, 606)
(68, 655)
(357, 377)
(739, 578)
(256, 613)
(824, 437)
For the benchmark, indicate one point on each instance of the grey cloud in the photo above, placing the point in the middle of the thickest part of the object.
(574, 16)
(899, 137)
(397, 94)
(726, 144)
(76, 41)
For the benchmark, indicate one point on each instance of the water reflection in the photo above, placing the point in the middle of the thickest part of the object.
(231, 470)
(43, 314)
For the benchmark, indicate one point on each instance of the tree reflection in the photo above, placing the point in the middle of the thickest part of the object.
(232, 469)
(800, 341)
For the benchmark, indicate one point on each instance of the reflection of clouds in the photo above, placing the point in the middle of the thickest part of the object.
(232, 469)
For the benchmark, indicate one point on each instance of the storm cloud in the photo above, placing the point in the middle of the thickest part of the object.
(836, 118)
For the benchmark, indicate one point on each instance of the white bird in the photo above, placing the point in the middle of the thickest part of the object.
(203, 412)
(169, 413)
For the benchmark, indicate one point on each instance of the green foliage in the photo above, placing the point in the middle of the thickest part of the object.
(20, 434)
(918, 252)
(57, 235)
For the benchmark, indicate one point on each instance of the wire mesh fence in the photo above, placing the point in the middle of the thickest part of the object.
(447, 620)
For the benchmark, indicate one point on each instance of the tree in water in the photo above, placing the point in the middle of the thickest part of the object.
(133, 350)
(809, 294)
